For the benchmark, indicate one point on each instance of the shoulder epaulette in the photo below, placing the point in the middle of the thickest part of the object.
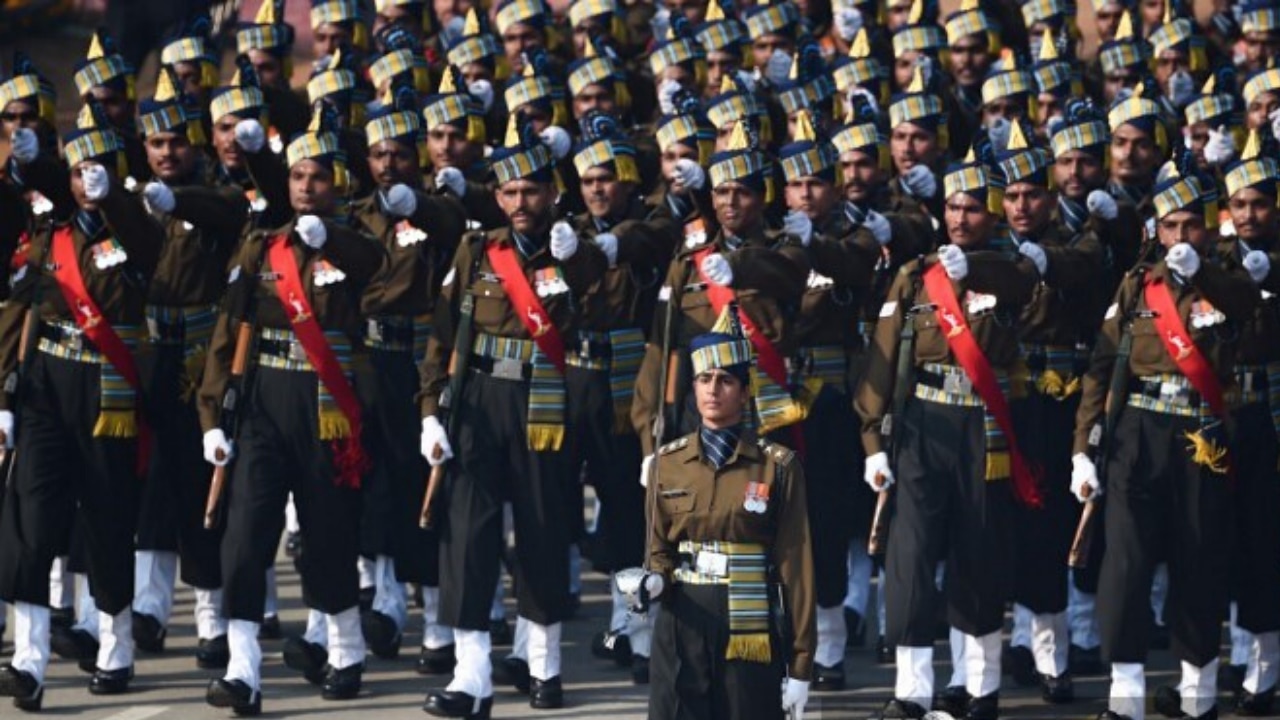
(778, 453)
(673, 446)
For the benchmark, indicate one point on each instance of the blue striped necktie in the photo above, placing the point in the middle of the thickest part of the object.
(1073, 214)
(718, 445)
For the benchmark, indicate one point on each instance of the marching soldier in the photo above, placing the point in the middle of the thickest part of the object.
(202, 226)
(1139, 145)
(515, 292)
(952, 437)
(728, 520)
(1251, 186)
(268, 44)
(419, 233)
(1167, 460)
(455, 128)
(105, 76)
(298, 290)
(82, 442)
(638, 242)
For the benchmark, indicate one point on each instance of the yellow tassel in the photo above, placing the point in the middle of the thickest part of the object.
(944, 136)
(545, 437)
(195, 133)
(333, 424)
(193, 371)
(1207, 453)
(622, 96)
(359, 35)
(475, 129)
(999, 466)
(559, 114)
(208, 75)
(116, 424)
(752, 648)
(122, 165)
(700, 73)
(626, 168)
(1051, 384)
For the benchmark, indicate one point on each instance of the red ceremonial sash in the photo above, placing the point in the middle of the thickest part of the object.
(349, 459)
(767, 356)
(1177, 342)
(964, 346)
(525, 303)
(89, 318)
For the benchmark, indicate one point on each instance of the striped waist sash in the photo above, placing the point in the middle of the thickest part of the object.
(743, 568)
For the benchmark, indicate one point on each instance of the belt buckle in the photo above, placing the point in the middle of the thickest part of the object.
(585, 349)
(713, 564)
(297, 353)
(1172, 393)
(1246, 382)
(508, 369)
(73, 339)
(957, 384)
(373, 329)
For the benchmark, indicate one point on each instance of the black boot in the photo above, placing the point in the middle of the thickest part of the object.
(243, 700)
(640, 670)
(22, 686)
(1168, 701)
(381, 633)
(307, 658)
(612, 645)
(828, 678)
(857, 627)
(1057, 690)
(451, 704)
(74, 644)
(438, 661)
(897, 709)
(1255, 704)
(148, 633)
(270, 628)
(213, 653)
(546, 694)
(110, 682)
(986, 707)
(1084, 661)
(1020, 664)
(514, 672)
(344, 683)
(953, 700)
(1110, 715)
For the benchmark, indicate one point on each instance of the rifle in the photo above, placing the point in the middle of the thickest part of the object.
(903, 380)
(14, 384)
(1117, 391)
(458, 364)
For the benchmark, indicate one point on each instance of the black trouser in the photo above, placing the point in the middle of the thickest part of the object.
(946, 511)
(613, 465)
(838, 505)
(690, 679)
(278, 452)
(173, 498)
(63, 475)
(1045, 428)
(394, 487)
(1162, 506)
(1256, 549)
(493, 466)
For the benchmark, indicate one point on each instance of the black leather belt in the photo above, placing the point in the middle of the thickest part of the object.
(66, 336)
(593, 348)
(1164, 391)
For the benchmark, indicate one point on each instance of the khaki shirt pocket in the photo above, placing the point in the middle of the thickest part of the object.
(676, 501)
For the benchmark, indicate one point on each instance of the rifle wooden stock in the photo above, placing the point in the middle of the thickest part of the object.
(239, 361)
(28, 327)
(426, 520)
(879, 524)
(1078, 557)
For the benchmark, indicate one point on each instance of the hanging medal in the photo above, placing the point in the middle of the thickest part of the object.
(757, 498)
(407, 234)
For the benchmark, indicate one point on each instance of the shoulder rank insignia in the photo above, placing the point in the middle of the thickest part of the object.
(673, 446)
(777, 453)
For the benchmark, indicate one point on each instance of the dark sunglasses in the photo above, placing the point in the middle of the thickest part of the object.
(19, 117)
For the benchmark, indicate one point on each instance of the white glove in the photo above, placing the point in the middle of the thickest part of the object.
(1102, 205)
(608, 244)
(96, 182)
(716, 267)
(953, 261)
(1084, 475)
(482, 90)
(25, 145)
(158, 196)
(1221, 148)
(667, 96)
(876, 472)
(999, 131)
(798, 224)
(451, 178)
(688, 175)
(217, 449)
(660, 23)
(1275, 123)
(564, 241)
(795, 695)
(778, 67)
(558, 140)
(848, 23)
(653, 582)
(6, 428)
(434, 443)
(920, 182)
(878, 226)
(1036, 255)
(865, 94)
(1258, 265)
(645, 465)
(1182, 88)
(400, 201)
(250, 135)
(1183, 259)
(312, 231)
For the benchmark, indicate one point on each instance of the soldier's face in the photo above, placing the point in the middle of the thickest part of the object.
(970, 60)
(270, 69)
(224, 143)
(585, 30)
(762, 47)
(447, 10)
(1117, 81)
(1008, 108)
(1152, 14)
(594, 97)
(527, 204)
(311, 188)
(1048, 107)
(331, 36)
(1170, 62)
(967, 220)
(1108, 20)
(518, 39)
(912, 145)
(1183, 227)
(721, 398)
(862, 175)
(77, 182)
(812, 196)
(898, 15)
(1259, 113)
(1197, 136)
(171, 156)
(904, 66)
(1254, 215)
(673, 155)
(693, 10)
(682, 75)
(392, 162)
(118, 107)
(188, 74)
(19, 114)
(1134, 155)
(720, 64)
(448, 146)
(605, 196)
(1028, 207)
(739, 209)
(1260, 47)
(405, 18)
(472, 72)
(1077, 173)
